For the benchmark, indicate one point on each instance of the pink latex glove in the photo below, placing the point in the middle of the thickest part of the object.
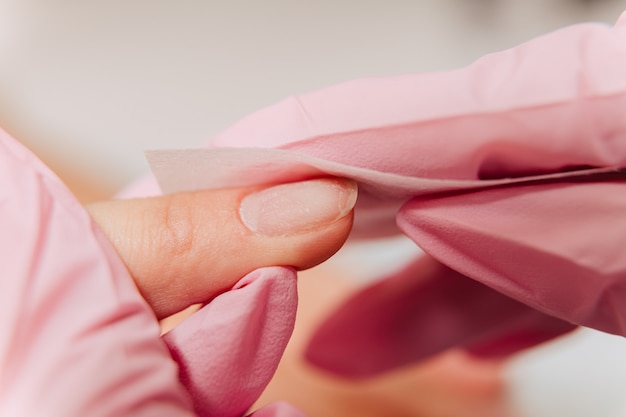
(507, 172)
(78, 339)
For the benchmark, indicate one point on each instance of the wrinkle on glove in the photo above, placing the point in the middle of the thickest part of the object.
(496, 170)
(577, 273)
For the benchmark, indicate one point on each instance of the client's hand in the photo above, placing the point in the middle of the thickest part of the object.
(186, 248)
(79, 340)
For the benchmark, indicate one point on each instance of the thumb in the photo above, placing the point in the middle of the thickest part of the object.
(186, 248)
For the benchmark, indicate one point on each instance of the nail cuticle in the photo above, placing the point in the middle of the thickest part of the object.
(296, 208)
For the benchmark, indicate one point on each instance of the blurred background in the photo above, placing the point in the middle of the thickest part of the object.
(89, 85)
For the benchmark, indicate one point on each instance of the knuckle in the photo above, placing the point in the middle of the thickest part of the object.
(177, 232)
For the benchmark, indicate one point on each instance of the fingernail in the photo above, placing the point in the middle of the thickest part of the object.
(299, 207)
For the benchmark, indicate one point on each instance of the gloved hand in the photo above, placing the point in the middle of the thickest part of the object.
(79, 339)
(507, 172)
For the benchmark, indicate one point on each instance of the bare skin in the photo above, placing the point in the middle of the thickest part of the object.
(186, 248)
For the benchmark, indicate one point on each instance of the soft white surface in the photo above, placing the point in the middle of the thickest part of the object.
(97, 82)
(581, 375)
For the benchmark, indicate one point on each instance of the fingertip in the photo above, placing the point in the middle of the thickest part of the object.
(324, 243)
(187, 248)
(297, 208)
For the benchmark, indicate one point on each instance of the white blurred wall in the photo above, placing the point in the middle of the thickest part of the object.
(92, 84)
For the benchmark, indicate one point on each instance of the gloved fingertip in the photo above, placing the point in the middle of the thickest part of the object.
(239, 336)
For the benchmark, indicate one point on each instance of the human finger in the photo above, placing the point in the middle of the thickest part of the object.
(185, 248)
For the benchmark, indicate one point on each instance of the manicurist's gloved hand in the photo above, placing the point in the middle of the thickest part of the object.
(508, 173)
(80, 340)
